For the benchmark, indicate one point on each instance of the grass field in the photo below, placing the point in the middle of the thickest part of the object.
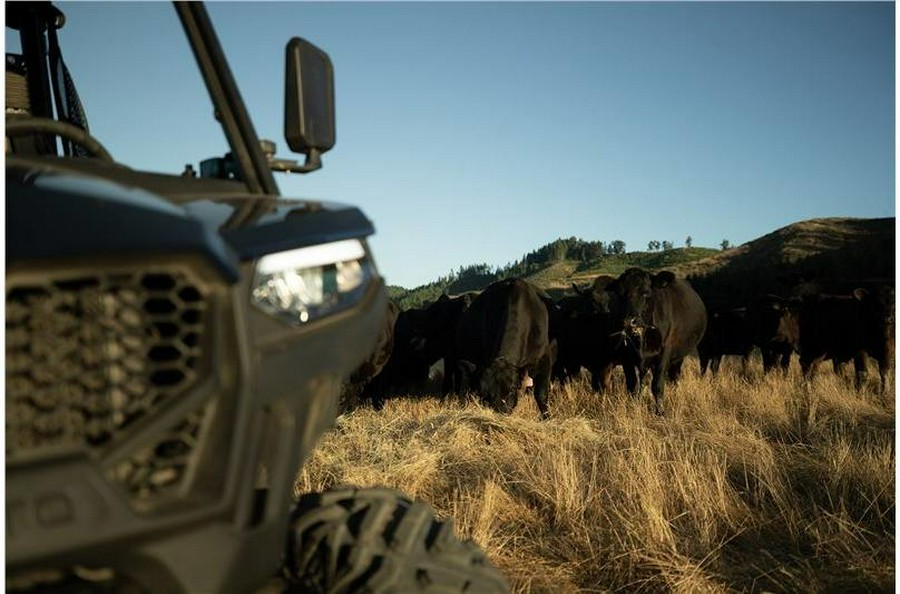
(750, 483)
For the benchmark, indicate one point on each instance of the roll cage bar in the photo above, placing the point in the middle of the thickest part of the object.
(34, 21)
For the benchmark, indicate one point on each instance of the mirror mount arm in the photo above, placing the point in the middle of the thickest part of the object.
(312, 163)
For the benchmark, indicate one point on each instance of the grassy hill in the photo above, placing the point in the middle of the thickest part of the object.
(555, 277)
(833, 254)
(836, 253)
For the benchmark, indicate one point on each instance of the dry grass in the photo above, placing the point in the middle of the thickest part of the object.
(748, 484)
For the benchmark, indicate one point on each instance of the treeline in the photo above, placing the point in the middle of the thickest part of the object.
(477, 276)
(572, 248)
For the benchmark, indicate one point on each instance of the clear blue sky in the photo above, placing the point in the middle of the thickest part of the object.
(476, 132)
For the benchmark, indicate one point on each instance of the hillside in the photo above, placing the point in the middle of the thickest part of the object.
(835, 253)
(555, 277)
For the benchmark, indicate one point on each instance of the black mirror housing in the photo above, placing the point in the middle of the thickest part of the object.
(308, 99)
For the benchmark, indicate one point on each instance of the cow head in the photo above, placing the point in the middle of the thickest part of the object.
(877, 314)
(586, 317)
(428, 332)
(587, 303)
(777, 319)
(600, 297)
(630, 302)
(499, 385)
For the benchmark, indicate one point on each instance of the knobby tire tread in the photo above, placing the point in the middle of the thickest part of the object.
(376, 540)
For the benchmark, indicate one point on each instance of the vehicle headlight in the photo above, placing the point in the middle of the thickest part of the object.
(303, 285)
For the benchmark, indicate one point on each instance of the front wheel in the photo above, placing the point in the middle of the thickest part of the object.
(377, 540)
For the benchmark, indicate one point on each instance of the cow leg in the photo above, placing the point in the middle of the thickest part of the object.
(377, 401)
(768, 358)
(596, 378)
(840, 371)
(658, 385)
(447, 381)
(631, 378)
(837, 367)
(860, 365)
(643, 369)
(716, 362)
(785, 362)
(451, 380)
(704, 363)
(606, 377)
(601, 377)
(808, 367)
(883, 367)
(675, 369)
(541, 377)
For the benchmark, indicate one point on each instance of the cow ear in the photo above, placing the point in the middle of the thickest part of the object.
(578, 289)
(663, 279)
(860, 294)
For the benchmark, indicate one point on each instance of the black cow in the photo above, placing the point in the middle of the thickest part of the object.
(502, 338)
(659, 321)
(848, 328)
(729, 331)
(355, 387)
(777, 321)
(422, 337)
(405, 371)
(587, 337)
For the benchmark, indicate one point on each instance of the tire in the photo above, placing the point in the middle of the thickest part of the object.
(377, 540)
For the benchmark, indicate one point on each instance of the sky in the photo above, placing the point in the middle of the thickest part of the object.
(475, 132)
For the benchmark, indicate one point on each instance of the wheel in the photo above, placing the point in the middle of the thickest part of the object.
(21, 127)
(377, 540)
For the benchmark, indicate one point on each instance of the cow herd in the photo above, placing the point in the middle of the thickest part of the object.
(512, 335)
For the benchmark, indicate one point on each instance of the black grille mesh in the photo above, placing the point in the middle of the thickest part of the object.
(164, 464)
(89, 356)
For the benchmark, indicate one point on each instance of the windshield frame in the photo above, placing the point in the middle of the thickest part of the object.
(231, 111)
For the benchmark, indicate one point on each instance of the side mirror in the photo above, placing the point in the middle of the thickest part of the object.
(308, 101)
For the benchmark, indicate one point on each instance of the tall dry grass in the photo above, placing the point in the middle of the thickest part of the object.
(749, 483)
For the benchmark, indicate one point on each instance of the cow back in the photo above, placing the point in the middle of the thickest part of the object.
(680, 315)
(508, 319)
(841, 326)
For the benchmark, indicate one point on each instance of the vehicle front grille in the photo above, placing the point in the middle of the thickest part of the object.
(87, 357)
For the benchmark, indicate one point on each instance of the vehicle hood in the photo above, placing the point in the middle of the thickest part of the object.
(54, 214)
